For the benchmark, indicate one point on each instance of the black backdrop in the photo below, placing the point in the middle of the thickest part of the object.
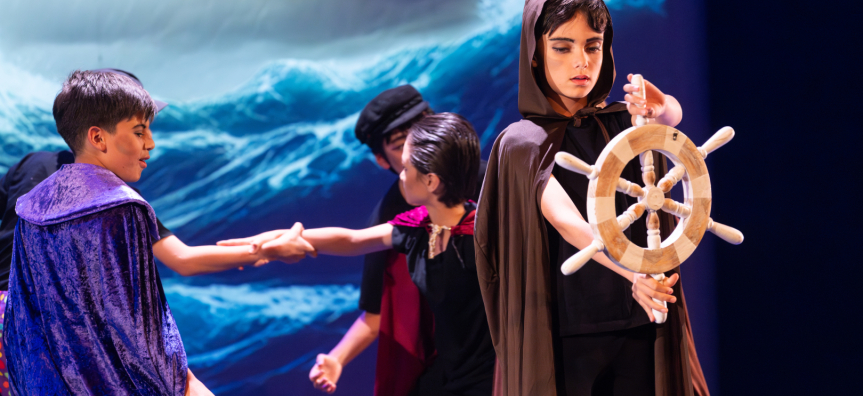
(786, 76)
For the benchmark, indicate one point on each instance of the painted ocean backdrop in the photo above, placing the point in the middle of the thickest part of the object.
(276, 150)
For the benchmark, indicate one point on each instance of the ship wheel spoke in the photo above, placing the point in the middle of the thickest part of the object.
(653, 239)
(574, 164)
(631, 215)
(671, 178)
(581, 258)
(647, 174)
(629, 188)
(729, 234)
(676, 208)
(716, 141)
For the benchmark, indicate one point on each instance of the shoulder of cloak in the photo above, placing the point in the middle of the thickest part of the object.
(78, 190)
(521, 139)
(416, 217)
(518, 168)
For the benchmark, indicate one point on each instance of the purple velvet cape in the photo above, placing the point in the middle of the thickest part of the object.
(86, 312)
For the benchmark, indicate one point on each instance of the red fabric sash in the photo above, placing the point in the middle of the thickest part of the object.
(406, 339)
(419, 217)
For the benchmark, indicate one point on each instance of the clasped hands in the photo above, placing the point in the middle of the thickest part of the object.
(287, 246)
(645, 289)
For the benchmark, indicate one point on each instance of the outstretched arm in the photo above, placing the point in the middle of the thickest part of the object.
(328, 367)
(285, 245)
(341, 241)
(196, 260)
(559, 210)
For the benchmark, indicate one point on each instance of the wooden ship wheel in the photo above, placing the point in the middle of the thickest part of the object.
(694, 213)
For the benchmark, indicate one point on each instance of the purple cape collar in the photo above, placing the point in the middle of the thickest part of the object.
(77, 190)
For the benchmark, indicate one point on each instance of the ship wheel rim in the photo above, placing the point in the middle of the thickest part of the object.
(602, 213)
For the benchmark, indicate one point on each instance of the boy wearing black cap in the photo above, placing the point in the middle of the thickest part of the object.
(387, 293)
(387, 289)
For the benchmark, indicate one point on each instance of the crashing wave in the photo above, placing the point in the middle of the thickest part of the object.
(240, 319)
(289, 131)
(284, 136)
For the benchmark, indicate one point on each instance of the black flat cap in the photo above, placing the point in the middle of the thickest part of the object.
(388, 110)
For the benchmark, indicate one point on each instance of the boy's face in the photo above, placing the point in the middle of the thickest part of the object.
(393, 147)
(571, 59)
(128, 148)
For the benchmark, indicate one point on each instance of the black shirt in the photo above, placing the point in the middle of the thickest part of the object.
(450, 285)
(19, 180)
(375, 264)
(594, 299)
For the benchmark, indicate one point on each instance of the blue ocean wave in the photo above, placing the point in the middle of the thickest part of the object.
(289, 131)
(282, 142)
(234, 321)
(653, 5)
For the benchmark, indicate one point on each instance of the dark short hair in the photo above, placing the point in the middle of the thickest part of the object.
(447, 145)
(96, 98)
(557, 12)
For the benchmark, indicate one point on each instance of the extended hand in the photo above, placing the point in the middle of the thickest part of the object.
(325, 373)
(287, 246)
(645, 289)
(654, 105)
(290, 247)
(254, 242)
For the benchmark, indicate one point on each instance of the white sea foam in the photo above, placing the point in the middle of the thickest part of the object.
(218, 321)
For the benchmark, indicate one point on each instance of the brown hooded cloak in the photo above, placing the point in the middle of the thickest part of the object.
(512, 249)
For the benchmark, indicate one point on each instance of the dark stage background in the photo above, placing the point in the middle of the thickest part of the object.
(786, 76)
(259, 134)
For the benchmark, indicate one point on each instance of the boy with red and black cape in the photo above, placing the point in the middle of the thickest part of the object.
(440, 163)
(590, 333)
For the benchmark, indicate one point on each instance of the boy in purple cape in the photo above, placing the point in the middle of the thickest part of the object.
(86, 312)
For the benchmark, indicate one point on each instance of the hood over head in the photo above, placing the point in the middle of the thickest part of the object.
(531, 100)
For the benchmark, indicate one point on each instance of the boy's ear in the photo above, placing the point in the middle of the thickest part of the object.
(382, 161)
(432, 183)
(96, 138)
(538, 52)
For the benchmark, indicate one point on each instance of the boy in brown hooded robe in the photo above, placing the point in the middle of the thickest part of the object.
(590, 333)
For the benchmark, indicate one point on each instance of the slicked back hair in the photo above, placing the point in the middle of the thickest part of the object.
(377, 145)
(447, 145)
(101, 99)
(557, 12)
